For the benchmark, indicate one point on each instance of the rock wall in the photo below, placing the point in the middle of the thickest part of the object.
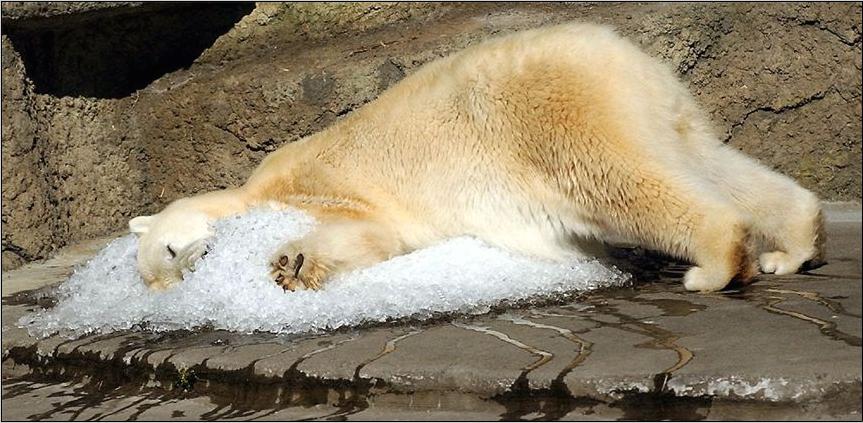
(109, 113)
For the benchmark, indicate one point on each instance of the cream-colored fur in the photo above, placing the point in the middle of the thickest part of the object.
(537, 142)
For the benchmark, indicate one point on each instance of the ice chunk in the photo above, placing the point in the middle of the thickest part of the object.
(231, 288)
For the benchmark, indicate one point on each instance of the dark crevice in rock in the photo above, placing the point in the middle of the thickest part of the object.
(18, 251)
(776, 111)
(823, 27)
(115, 55)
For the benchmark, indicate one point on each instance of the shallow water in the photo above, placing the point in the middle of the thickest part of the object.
(231, 289)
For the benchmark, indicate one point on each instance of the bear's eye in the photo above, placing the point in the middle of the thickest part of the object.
(171, 251)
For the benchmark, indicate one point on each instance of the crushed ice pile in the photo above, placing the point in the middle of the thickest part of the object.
(231, 288)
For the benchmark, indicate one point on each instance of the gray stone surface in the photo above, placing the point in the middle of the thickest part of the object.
(784, 347)
(58, 267)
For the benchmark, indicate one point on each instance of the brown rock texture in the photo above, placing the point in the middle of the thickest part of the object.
(25, 191)
(44, 10)
(116, 115)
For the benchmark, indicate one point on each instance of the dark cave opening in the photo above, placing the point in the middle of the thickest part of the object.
(112, 55)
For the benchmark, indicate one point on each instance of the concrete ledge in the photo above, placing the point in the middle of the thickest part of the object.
(843, 212)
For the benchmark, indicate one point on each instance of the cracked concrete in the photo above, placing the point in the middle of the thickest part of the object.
(784, 347)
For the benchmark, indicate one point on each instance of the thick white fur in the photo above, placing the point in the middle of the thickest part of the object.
(537, 142)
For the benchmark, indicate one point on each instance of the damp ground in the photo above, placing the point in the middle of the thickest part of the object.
(786, 347)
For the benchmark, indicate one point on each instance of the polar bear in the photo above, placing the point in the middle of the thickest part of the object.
(538, 142)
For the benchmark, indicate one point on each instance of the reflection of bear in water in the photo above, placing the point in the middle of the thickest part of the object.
(536, 142)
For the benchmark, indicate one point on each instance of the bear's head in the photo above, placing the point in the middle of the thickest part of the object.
(168, 243)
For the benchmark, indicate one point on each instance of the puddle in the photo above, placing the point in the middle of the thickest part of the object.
(584, 346)
(41, 397)
(769, 298)
(827, 328)
(660, 339)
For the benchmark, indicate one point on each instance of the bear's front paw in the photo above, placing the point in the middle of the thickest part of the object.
(778, 262)
(699, 279)
(292, 270)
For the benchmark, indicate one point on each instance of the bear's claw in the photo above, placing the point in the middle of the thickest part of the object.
(287, 273)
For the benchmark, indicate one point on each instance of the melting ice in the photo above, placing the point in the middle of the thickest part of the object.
(231, 289)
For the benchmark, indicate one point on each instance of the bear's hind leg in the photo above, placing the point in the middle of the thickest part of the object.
(685, 220)
(785, 216)
(721, 248)
(335, 246)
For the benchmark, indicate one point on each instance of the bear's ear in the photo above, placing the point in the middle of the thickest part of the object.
(140, 224)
